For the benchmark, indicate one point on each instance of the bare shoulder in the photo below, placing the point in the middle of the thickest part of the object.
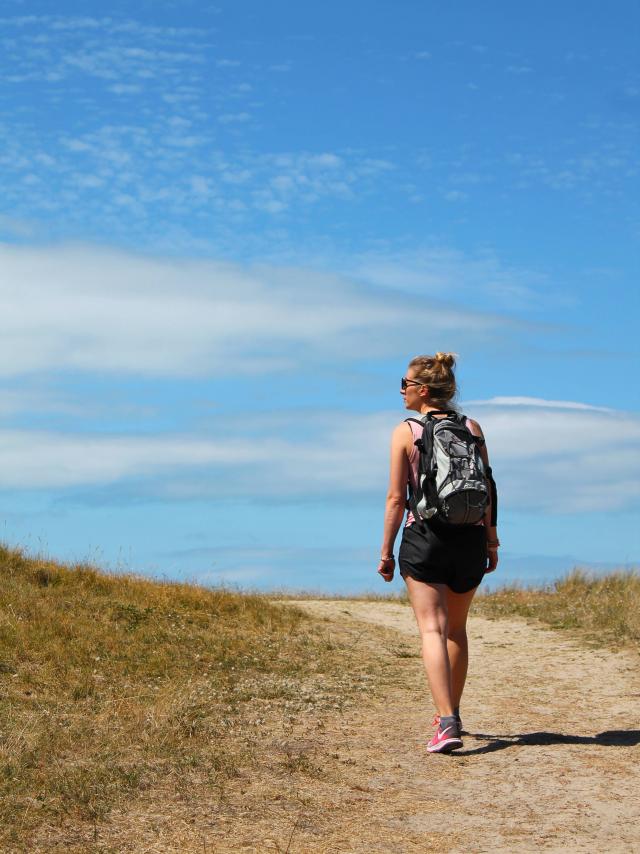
(402, 435)
(475, 428)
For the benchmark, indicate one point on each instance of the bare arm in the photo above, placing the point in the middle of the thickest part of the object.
(396, 497)
(491, 531)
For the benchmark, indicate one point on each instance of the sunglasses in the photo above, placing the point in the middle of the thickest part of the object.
(404, 382)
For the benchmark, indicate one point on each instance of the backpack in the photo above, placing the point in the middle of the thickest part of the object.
(453, 481)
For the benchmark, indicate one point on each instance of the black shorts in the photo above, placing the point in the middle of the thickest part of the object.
(451, 555)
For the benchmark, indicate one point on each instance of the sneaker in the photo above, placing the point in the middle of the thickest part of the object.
(444, 740)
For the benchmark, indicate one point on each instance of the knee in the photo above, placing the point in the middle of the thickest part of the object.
(435, 624)
(458, 634)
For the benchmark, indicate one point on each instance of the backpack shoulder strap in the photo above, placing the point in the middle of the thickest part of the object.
(417, 440)
(489, 474)
(423, 443)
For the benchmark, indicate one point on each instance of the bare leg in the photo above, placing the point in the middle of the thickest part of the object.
(429, 603)
(458, 605)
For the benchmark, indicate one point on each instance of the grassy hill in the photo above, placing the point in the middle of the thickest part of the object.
(112, 685)
(604, 610)
(109, 683)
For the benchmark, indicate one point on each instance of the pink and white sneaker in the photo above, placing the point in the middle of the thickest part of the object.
(444, 740)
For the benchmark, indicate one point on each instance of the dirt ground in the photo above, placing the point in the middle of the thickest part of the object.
(550, 762)
(551, 759)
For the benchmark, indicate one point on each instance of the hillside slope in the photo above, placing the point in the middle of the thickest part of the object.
(137, 716)
(112, 686)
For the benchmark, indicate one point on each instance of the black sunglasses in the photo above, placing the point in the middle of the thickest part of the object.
(404, 382)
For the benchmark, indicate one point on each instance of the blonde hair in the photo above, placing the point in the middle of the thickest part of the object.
(436, 372)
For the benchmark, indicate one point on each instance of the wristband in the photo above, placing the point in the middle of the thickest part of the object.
(387, 559)
(493, 544)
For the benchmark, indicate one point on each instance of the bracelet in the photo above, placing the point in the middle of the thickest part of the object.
(494, 543)
(387, 559)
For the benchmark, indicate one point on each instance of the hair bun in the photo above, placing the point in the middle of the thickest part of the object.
(446, 359)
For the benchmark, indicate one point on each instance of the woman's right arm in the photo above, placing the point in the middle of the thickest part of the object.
(491, 531)
(396, 499)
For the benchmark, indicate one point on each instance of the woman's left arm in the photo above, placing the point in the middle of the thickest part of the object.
(491, 531)
(396, 499)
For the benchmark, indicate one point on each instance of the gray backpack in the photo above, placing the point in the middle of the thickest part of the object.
(453, 481)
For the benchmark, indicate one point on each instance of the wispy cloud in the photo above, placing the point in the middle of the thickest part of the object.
(49, 460)
(40, 402)
(158, 105)
(558, 456)
(52, 48)
(604, 168)
(93, 310)
(541, 403)
(547, 455)
(153, 165)
(233, 118)
(439, 270)
(519, 69)
(156, 140)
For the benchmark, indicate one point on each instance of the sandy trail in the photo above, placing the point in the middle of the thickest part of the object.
(551, 761)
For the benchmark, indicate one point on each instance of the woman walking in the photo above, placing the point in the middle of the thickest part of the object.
(442, 564)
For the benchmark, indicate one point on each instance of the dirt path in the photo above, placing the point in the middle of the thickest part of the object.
(551, 761)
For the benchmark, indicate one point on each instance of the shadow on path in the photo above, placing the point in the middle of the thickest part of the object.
(608, 738)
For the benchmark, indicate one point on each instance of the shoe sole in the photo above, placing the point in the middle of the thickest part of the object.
(446, 746)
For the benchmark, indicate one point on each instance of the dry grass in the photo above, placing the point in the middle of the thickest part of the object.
(601, 609)
(122, 699)
(110, 684)
(605, 610)
(397, 597)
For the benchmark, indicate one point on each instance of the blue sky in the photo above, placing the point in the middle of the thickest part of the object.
(226, 228)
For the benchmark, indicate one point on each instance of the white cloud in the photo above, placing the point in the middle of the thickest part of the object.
(92, 310)
(233, 118)
(604, 169)
(549, 457)
(172, 75)
(155, 160)
(540, 402)
(31, 459)
(562, 456)
(325, 160)
(125, 89)
(200, 185)
(53, 23)
(16, 401)
(272, 206)
(439, 271)
(554, 428)
(41, 401)
(456, 196)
